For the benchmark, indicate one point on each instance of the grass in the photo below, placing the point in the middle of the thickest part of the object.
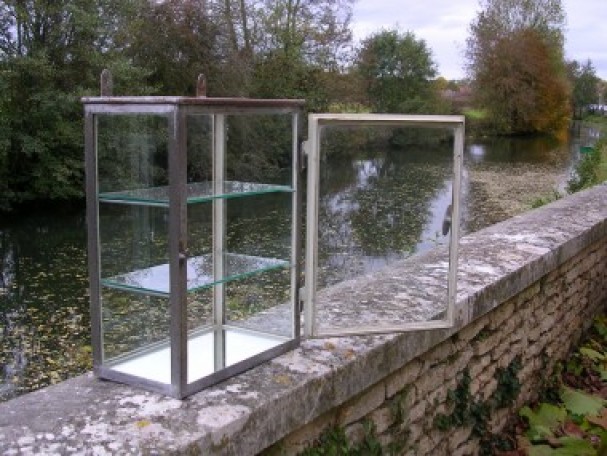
(474, 114)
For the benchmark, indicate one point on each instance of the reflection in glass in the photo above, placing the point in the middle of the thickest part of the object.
(131, 238)
(261, 303)
(131, 322)
(379, 202)
(132, 152)
(259, 148)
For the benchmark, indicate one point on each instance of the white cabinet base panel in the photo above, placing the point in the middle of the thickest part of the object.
(240, 345)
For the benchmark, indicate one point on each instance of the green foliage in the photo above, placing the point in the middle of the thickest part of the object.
(508, 384)
(334, 442)
(397, 70)
(584, 81)
(543, 422)
(515, 59)
(579, 403)
(51, 53)
(543, 200)
(572, 421)
(586, 171)
(467, 410)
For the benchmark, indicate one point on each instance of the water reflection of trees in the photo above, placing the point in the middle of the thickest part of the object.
(44, 318)
(544, 150)
(375, 205)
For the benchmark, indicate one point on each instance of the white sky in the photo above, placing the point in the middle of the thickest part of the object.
(443, 24)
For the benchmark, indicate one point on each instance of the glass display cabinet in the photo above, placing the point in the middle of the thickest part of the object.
(193, 220)
(194, 223)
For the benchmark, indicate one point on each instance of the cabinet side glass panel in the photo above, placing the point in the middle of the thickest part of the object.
(258, 153)
(133, 244)
(132, 158)
(258, 245)
(385, 196)
(135, 331)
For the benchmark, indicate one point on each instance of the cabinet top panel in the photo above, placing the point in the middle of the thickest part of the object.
(198, 101)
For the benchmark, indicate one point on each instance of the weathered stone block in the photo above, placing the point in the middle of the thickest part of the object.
(478, 365)
(458, 437)
(430, 380)
(362, 405)
(382, 418)
(403, 377)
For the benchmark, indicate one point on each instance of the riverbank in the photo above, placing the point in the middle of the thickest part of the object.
(496, 193)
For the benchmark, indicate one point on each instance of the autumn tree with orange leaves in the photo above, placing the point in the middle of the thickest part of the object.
(515, 55)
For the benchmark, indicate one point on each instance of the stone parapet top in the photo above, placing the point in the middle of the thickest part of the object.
(251, 411)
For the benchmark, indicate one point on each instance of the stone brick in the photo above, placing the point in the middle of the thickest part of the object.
(500, 350)
(439, 354)
(355, 433)
(498, 420)
(416, 413)
(458, 437)
(484, 346)
(403, 377)
(362, 405)
(305, 436)
(469, 449)
(430, 380)
(489, 388)
(501, 315)
(414, 432)
(472, 330)
(382, 418)
(456, 366)
(426, 446)
(478, 365)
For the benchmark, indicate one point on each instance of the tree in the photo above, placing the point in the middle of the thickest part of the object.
(523, 95)
(585, 84)
(397, 70)
(51, 53)
(176, 41)
(515, 59)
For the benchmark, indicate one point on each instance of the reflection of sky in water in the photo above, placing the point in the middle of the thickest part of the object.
(356, 195)
(367, 169)
(476, 152)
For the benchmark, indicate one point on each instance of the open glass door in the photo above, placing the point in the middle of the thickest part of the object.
(383, 189)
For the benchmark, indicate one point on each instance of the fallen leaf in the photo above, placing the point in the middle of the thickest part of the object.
(573, 430)
(599, 420)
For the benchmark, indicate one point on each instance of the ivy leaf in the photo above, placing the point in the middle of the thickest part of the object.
(580, 403)
(544, 421)
(575, 447)
(541, 450)
(592, 354)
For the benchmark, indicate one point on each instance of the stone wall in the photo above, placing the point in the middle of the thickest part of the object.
(521, 340)
(527, 289)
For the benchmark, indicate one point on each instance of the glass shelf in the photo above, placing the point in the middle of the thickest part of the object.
(155, 280)
(197, 192)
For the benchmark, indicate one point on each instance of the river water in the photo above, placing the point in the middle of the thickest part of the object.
(376, 207)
